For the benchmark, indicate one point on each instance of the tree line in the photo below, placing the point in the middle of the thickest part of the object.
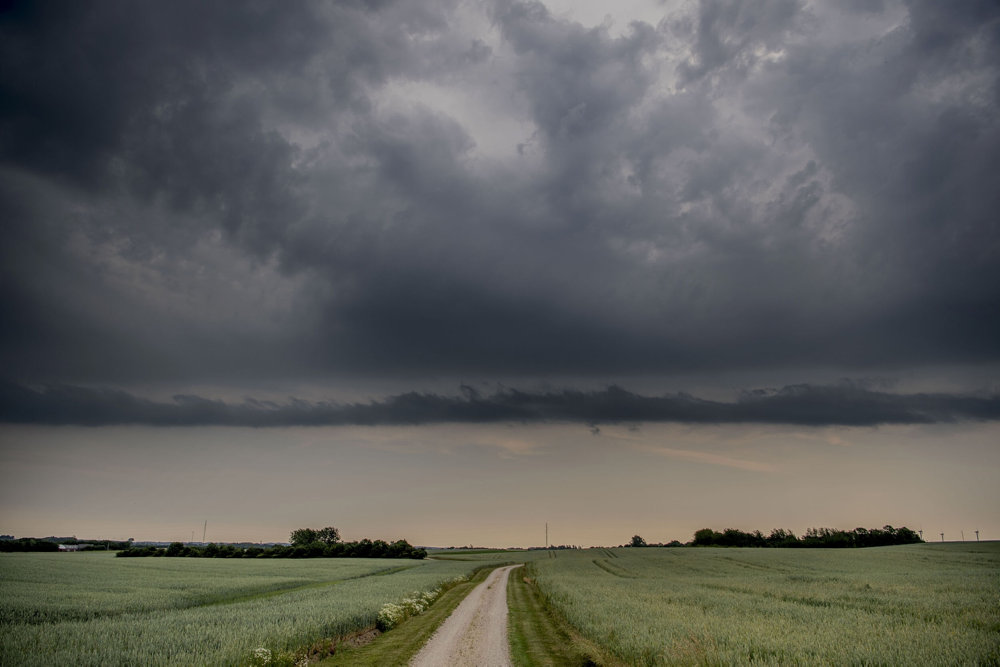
(304, 543)
(815, 537)
(27, 544)
(22, 544)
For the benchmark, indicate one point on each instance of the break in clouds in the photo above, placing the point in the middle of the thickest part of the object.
(222, 193)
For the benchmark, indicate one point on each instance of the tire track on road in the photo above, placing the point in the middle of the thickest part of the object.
(476, 632)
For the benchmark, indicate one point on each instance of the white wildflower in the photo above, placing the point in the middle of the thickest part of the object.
(261, 656)
(390, 615)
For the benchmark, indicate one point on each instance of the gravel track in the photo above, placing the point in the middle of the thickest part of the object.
(476, 632)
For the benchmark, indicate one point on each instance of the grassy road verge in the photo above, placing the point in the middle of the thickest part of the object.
(399, 645)
(538, 635)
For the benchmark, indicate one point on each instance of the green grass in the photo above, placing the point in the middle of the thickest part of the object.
(539, 637)
(94, 609)
(399, 645)
(915, 604)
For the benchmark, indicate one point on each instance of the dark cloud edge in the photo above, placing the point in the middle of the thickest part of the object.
(844, 404)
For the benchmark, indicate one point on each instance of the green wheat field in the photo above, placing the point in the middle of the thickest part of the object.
(914, 604)
(95, 609)
(905, 605)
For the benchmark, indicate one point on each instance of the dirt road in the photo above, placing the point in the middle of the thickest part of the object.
(476, 632)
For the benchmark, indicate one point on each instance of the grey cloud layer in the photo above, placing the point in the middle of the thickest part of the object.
(844, 404)
(192, 192)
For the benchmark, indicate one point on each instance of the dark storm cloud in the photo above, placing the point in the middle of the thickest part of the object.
(85, 84)
(145, 128)
(845, 404)
(208, 192)
(728, 30)
(908, 129)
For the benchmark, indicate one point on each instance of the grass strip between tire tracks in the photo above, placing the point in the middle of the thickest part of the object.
(539, 636)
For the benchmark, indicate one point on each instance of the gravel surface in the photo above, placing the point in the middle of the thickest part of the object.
(476, 632)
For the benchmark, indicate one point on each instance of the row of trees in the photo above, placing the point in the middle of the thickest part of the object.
(779, 537)
(27, 544)
(639, 541)
(305, 543)
(362, 549)
(814, 537)
(52, 544)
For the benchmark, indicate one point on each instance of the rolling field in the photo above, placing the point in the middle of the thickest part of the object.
(915, 604)
(94, 609)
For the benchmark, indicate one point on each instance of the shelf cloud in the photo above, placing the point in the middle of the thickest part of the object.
(844, 404)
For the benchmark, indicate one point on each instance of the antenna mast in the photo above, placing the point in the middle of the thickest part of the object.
(204, 530)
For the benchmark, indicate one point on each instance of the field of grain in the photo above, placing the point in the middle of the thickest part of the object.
(94, 609)
(917, 604)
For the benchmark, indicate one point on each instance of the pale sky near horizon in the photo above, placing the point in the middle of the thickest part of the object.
(453, 485)
(447, 270)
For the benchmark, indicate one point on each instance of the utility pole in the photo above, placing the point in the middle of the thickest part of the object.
(977, 536)
(204, 530)
(963, 535)
(546, 534)
(921, 531)
(942, 537)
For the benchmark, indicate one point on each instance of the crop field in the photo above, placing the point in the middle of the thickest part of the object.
(917, 604)
(914, 604)
(94, 609)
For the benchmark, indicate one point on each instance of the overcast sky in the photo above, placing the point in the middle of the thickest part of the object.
(619, 227)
